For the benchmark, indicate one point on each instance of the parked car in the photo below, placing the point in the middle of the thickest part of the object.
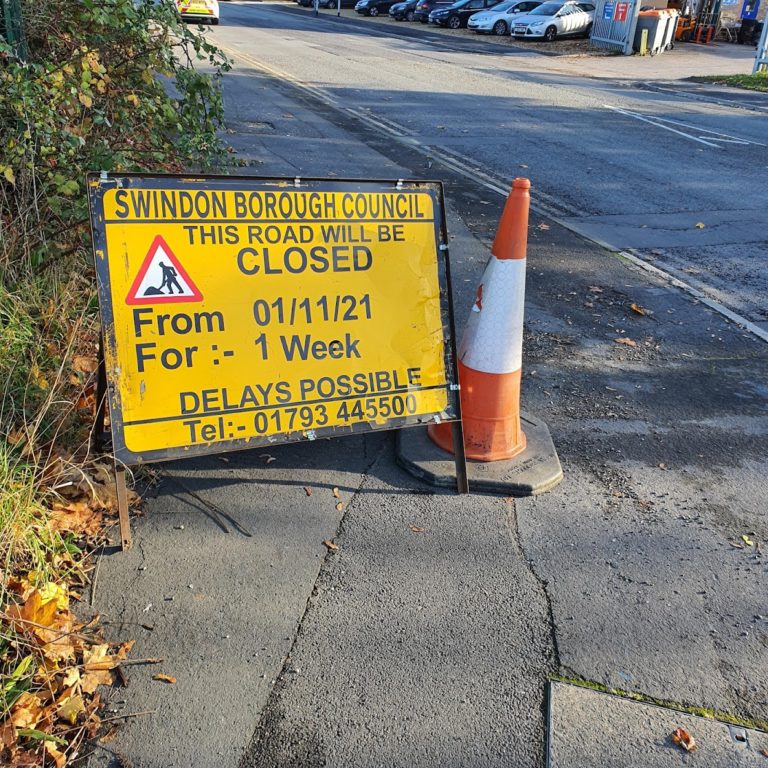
(457, 15)
(425, 7)
(552, 20)
(200, 11)
(403, 11)
(326, 3)
(373, 7)
(500, 19)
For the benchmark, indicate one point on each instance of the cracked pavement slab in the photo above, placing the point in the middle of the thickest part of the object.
(590, 729)
(224, 559)
(426, 641)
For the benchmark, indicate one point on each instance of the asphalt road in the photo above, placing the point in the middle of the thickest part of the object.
(432, 647)
(633, 168)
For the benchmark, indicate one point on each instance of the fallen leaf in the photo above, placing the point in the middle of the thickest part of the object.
(637, 309)
(71, 677)
(267, 458)
(15, 436)
(626, 342)
(83, 364)
(336, 493)
(51, 591)
(98, 664)
(98, 659)
(663, 466)
(164, 678)
(700, 225)
(736, 545)
(417, 528)
(307, 490)
(42, 619)
(27, 710)
(339, 506)
(328, 543)
(109, 735)
(8, 736)
(682, 738)
(59, 758)
(76, 517)
(747, 540)
(70, 707)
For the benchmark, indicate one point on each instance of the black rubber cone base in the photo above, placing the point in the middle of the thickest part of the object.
(535, 470)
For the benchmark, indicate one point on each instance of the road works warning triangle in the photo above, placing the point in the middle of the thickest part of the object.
(162, 279)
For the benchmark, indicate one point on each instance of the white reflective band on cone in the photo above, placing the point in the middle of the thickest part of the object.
(493, 339)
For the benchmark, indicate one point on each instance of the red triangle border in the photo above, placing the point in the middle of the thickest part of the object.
(132, 299)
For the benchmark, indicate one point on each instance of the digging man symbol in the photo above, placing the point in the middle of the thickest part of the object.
(169, 279)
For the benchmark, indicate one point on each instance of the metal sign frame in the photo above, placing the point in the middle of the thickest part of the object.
(108, 392)
(612, 29)
(761, 57)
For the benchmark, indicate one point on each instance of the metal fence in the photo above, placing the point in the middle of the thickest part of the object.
(11, 27)
(761, 59)
(614, 25)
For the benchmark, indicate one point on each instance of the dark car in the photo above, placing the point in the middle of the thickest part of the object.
(373, 7)
(425, 7)
(457, 15)
(326, 3)
(403, 11)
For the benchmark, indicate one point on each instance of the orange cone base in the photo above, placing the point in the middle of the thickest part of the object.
(490, 409)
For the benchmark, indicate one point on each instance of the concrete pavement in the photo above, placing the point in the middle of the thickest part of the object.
(411, 648)
(632, 733)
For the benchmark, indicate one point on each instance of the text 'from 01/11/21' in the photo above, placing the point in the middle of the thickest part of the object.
(231, 328)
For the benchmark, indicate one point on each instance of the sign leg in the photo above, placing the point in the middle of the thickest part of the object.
(122, 507)
(462, 482)
(101, 400)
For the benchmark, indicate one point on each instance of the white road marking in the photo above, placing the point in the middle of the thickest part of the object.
(730, 141)
(714, 135)
(627, 113)
(477, 176)
(706, 139)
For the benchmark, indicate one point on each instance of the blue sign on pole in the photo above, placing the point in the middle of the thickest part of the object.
(608, 10)
(749, 9)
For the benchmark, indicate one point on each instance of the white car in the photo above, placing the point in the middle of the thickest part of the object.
(199, 10)
(500, 18)
(552, 20)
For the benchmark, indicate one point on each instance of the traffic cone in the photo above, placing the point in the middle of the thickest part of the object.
(490, 354)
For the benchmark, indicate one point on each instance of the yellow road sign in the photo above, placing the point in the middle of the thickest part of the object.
(243, 311)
